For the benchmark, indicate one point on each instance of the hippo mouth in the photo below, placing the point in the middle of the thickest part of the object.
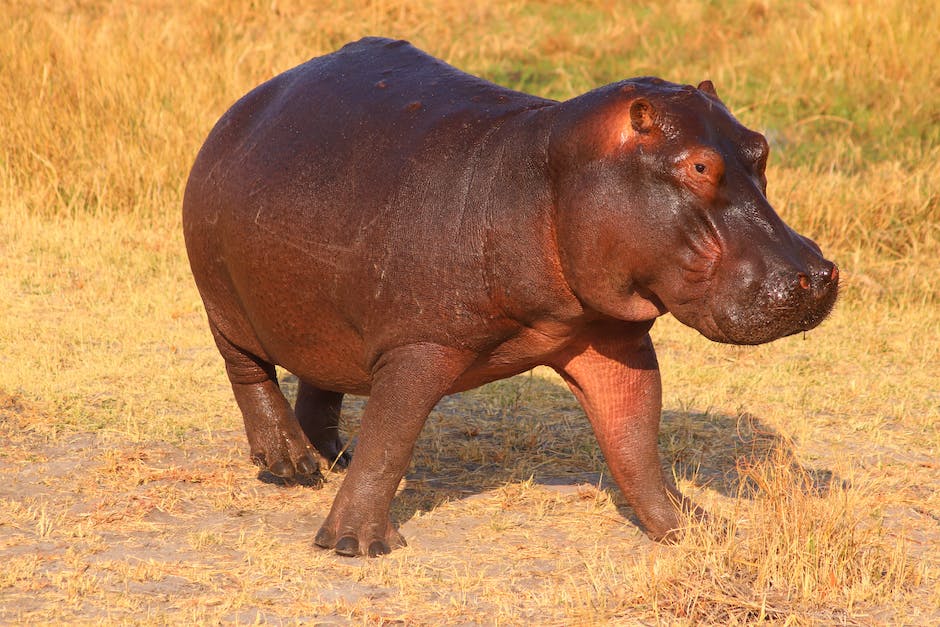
(773, 313)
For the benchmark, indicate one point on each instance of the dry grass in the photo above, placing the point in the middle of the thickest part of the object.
(126, 492)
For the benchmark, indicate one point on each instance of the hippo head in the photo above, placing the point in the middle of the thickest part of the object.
(660, 201)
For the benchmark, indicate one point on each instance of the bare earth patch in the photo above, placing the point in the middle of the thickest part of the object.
(96, 529)
(507, 513)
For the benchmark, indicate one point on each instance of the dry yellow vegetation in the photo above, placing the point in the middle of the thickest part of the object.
(126, 493)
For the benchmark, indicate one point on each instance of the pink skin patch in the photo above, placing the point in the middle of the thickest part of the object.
(701, 170)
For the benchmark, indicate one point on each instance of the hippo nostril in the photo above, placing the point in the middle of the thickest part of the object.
(826, 275)
(804, 281)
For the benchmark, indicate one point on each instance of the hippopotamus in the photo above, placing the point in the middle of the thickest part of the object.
(378, 222)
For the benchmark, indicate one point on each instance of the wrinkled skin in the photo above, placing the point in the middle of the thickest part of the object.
(377, 222)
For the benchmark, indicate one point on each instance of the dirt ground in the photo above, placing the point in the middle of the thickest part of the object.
(100, 529)
(97, 529)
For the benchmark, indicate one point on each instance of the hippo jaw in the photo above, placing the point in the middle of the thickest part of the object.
(776, 311)
(787, 305)
(761, 289)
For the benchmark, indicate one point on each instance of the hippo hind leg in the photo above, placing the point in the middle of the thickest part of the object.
(277, 442)
(318, 413)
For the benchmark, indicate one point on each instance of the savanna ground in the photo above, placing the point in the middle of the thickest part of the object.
(126, 494)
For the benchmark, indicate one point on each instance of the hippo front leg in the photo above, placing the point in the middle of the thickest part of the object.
(407, 383)
(616, 379)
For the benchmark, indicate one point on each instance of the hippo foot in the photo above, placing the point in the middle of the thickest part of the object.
(282, 471)
(318, 413)
(671, 525)
(367, 540)
(333, 453)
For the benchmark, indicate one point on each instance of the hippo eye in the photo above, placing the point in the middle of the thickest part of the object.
(701, 169)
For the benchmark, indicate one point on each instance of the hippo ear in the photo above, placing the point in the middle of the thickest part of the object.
(708, 87)
(641, 115)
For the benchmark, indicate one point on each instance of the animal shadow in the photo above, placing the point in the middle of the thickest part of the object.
(530, 427)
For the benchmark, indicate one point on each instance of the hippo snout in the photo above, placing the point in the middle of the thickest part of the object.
(776, 302)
